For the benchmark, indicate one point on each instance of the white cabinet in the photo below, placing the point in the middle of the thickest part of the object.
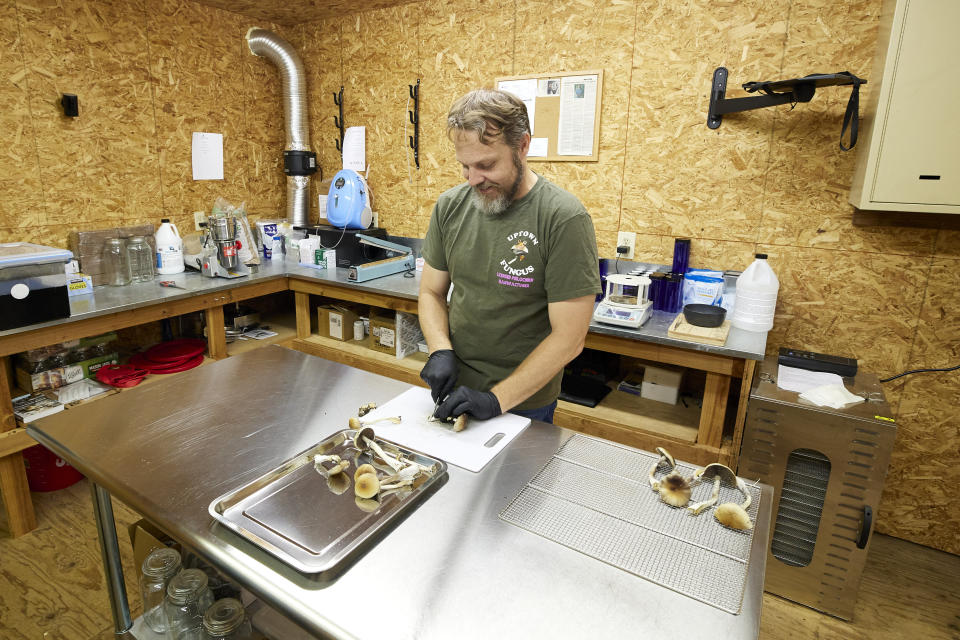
(909, 156)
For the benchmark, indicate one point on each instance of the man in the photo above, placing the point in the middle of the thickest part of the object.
(522, 257)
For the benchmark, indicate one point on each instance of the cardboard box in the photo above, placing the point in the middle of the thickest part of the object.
(59, 376)
(336, 321)
(144, 538)
(383, 330)
(661, 383)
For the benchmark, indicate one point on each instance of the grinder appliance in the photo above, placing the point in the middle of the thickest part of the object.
(218, 253)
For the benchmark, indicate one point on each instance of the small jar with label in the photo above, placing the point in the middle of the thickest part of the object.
(188, 598)
(158, 568)
(226, 620)
(116, 264)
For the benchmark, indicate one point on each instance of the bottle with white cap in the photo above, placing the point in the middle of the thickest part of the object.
(757, 289)
(169, 248)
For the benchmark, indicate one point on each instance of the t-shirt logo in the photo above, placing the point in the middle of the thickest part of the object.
(513, 272)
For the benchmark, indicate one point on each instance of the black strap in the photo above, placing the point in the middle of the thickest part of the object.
(852, 115)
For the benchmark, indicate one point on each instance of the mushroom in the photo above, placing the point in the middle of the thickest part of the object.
(674, 489)
(364, 468)
(338, 483)
(338, 464)
(366, 486)
(460, 422)
(698, 507)
(366, 504)
(357, 423)
(366, 408)
(732, 515)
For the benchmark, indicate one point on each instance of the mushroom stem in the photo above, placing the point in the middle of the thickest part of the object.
(390, 460)
(698, 508)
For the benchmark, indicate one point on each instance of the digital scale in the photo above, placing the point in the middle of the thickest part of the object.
(625, 302)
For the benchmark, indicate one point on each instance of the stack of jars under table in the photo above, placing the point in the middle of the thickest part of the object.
(179, 602)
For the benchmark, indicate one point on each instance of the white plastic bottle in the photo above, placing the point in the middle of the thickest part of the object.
(169, 248)
(757, 289)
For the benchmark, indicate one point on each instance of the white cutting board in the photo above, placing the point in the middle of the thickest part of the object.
(471, 448)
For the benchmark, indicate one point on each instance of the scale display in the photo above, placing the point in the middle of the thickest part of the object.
(632, 317)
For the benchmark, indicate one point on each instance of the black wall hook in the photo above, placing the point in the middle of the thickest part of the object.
(338, 100)
(415, 121)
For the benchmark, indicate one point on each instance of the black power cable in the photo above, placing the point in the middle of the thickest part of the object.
(906, 373)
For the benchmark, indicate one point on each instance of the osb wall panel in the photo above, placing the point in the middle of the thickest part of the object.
(570, 35)
(463, 46)
(683, 179)
(295, 13)
(21, 200)
(320, 47)
(805, 199)
(101, 168)
(380, 62)
(924, 470)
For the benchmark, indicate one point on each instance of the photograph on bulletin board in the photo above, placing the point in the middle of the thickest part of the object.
(564, 112)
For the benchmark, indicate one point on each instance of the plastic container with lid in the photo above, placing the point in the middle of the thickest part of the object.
(226, 620)
(158, 568)
(33, 284)
(169, 248)
(757, 289)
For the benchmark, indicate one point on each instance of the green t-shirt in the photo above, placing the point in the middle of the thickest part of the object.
(505, 269)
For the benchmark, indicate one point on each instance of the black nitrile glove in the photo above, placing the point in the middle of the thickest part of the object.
(482, 405)
(440, 373)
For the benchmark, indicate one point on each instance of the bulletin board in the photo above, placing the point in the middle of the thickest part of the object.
(564, 111)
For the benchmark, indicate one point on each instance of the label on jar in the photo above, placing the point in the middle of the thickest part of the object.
(386, 337)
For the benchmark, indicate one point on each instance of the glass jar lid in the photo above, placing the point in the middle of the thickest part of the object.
(161, 563)
(137, 239)
(186, 586)
(223, 616)
(114, 242)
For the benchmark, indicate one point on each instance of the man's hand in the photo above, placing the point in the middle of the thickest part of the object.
(482, 405)
(440, 373)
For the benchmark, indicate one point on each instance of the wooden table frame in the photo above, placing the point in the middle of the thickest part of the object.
(710, 446)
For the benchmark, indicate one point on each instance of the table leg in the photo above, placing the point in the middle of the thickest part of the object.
(714, 410)
(216, 338)
(13, 476)
(110, 552)
(302, 304)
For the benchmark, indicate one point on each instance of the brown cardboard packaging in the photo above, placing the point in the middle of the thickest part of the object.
(336, 321)
(383, 330)
(144, 538)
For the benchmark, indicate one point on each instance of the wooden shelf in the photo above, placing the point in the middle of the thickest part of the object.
(284, 324)
(359, 355)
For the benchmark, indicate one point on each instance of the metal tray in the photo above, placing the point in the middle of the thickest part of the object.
(292, 514)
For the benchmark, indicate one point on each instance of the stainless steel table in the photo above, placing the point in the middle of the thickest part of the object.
(452, 569)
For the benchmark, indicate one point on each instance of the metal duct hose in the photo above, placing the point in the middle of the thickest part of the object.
(299, 161)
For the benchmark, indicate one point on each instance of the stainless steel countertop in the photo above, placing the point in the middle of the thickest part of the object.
(105, 299)
(452, 569)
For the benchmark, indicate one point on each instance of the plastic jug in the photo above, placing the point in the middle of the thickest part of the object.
(169, 248)
(757, 289)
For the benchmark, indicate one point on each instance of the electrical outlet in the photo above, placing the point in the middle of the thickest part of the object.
(626, 239)
(198, 217)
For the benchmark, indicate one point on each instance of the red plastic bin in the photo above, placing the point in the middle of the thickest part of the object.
(47, 472)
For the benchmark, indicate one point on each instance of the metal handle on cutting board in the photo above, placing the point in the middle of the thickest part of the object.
(865, 525)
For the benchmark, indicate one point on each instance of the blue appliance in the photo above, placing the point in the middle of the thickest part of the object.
(348, 202)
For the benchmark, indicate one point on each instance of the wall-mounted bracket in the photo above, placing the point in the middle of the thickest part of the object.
(783, 92)
(338, 100)
(415, 121)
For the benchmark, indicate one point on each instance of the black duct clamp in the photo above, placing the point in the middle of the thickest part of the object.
(790, 91)
(299, 163)
(70, 104)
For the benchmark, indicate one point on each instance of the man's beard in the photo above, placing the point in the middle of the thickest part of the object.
(497, 205)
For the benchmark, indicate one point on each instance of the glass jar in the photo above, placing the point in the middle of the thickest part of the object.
(141, 259)
(116, 264)
(158, 568)
(188, 597)
(226, 620)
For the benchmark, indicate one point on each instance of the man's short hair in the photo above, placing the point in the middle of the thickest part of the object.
(490, 114)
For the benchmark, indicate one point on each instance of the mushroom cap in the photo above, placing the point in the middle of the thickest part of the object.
(364, 468)
(460, 423)
(733, 515)
(355, 423)
(715, 469)
(366, 504)
(366, 485)
(674, 489)
(338, 483)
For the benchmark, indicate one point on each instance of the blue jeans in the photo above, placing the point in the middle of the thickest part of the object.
(544, 414)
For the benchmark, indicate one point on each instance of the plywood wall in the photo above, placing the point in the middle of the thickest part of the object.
(773, 180)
